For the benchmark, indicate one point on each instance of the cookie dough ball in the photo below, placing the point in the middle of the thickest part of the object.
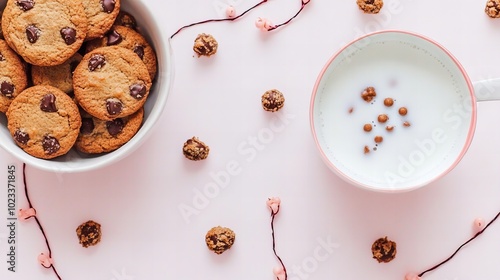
(384, 250)
(205, 45)
(370, 6)
(492, 8)
(219, 239)
(194, 149)
(89, 233)
(273, 100)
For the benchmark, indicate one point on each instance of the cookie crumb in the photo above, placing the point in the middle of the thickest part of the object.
(89, 233)
(219, 239)
(194, 149)
(370, 6)
(273, 100)
(492, 8)
(384, 250)
(205, 45)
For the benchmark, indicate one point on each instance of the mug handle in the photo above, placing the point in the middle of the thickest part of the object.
(487, 90)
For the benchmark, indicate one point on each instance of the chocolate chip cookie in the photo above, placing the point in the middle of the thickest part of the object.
(44, 121)
(89, 233)
(12, 76)
(219, 239)
(384, 250)
(128, 38)
(44, 32)
(111, 82)
(101, 15)
(98, 136)
(59, 76)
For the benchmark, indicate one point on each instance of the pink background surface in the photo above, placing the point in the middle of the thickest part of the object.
(137, 200)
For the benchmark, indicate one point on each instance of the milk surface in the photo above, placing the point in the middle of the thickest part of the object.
(430, 86)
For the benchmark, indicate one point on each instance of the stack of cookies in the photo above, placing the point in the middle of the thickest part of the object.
(73, 73)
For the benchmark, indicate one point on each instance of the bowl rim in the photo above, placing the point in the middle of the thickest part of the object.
(410, 187)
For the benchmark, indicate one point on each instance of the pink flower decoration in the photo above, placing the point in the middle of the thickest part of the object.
(412, 276)
(267, 25)
(230, 12)
(279, 272)
(259, 23)
(479, 224)
(26, 214)
(274, 204)
(45, 261)
(263, 24)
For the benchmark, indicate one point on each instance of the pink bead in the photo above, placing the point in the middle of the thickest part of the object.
(412, 276)
(259, 23)
(230, 12)
(267, 25)
(274, 204)
(479, 224)
(279, 272)
(26, 214)
(45, 261)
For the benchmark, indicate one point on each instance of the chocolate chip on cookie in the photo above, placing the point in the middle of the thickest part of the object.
(13, 79)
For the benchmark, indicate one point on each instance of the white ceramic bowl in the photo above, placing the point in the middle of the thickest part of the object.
(79, 162)
(418, 74)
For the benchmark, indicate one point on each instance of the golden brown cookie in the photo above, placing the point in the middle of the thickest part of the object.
(111, 82)
(219, 239)
(98, 136)
(89, 233)
(59, 76)
(370, 6)
(128, 38)
(492, 8)
(205, 45)
(12, 76)
(272, 100)
(384, 250)
(194, 149)
(44, 32)
(44, 121)
(126, 19)
(101, 15)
